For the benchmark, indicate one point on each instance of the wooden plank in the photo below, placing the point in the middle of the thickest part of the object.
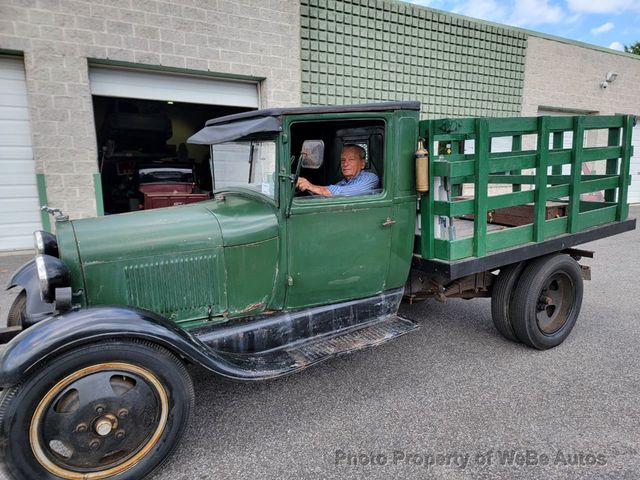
(516, 146)
(444, 168)
(512, 164)
(558, 138)
(427, 247)
(560, 157)
(556, 226)
(481, 187)
(623, 206)
(598, 184)
(509, 237)
(453, 209)
(600, 153)
(560, 124)
(612, 163)
(576, 169)
(597, 217)
(541, 179)
(511, 199)
(602, 121)
(511, 126)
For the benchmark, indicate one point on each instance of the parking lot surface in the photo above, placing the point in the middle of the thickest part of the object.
(450, 400)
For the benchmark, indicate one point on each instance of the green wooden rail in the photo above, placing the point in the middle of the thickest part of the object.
(484, 168)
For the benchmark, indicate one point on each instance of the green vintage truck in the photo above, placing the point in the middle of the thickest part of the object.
(263, 279)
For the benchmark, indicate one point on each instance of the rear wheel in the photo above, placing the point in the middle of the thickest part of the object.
(547, 301)
(501, 298)
(18, 310)
(104, 411)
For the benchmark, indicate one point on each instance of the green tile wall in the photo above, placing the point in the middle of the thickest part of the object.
(356, 51)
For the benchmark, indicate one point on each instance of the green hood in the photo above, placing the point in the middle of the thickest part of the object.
(170, 260)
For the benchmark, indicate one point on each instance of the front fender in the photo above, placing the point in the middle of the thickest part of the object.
(50, 337)
(27, 277)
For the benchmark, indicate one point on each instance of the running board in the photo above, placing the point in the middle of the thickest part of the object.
(295, 357)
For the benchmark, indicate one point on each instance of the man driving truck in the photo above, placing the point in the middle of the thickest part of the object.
(356, 181)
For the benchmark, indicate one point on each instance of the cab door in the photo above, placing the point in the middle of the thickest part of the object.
(338, 248)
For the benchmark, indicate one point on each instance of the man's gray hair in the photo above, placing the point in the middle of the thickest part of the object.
(361, 151)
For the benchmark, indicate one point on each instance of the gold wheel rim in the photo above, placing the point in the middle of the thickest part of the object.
(34, 438)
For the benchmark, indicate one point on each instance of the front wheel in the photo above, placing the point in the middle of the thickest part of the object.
(547, 301)
(112, 410)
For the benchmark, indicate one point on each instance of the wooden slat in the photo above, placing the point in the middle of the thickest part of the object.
(576, 168)
(481, 187)
(602, 121)
(516, 146)
(600, 153)
(512, 126)
(541, 180)
(623, 206)
(612, 163)
(427, 247)
(511, 199)
(557, 145)
(560, 124)
(588, 186)
(597, 217)
(509, 237)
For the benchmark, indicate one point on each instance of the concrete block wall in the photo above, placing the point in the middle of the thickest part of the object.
(258, 38)
(568, 76)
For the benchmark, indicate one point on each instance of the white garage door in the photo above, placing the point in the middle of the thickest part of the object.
(19, 204)
(146, 85)
(634, 188)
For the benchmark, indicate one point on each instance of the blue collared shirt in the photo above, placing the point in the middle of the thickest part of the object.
(361, 184)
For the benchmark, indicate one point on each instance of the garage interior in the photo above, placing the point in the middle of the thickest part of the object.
(137, 137)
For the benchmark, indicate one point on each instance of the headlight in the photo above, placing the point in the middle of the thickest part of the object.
(52, 274)
(45, 243)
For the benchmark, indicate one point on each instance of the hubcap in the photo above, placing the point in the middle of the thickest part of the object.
(554, 303)
(99, 421)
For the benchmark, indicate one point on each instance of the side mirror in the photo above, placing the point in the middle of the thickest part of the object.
(312, 154)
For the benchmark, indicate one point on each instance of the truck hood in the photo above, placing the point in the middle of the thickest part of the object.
(233, 220)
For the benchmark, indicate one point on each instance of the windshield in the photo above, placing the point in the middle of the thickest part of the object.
(248, 164)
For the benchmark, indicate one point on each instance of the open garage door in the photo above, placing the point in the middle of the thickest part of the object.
(146, 85)
(19, 202)
(143, 119)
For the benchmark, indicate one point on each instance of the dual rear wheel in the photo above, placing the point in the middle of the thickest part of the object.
(538, 303)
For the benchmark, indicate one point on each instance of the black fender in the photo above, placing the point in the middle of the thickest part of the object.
(58, 333)
(27, 277)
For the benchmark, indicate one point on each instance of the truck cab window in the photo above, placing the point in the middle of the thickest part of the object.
(353, 163)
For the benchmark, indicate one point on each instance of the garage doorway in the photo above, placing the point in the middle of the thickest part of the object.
(142, 122)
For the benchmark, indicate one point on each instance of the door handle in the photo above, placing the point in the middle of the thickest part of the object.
(388, 222)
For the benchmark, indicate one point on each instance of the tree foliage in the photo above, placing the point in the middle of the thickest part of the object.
(633, 48)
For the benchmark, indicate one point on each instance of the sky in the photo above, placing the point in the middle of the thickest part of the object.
(607, 23)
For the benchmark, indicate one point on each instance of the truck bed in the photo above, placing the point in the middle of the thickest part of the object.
(568, 204)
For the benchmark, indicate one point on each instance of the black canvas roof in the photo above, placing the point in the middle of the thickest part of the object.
(269, 120)
(277, 112)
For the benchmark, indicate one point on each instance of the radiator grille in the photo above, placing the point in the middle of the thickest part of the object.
(171, 286)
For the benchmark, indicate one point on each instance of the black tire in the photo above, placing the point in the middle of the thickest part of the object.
(501, 298)
(547, 301)
(17, 310)
(115, 409)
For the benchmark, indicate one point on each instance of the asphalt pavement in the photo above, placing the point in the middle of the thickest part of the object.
(452, 400)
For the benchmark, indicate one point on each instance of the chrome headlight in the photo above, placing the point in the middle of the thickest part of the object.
(45, 243)
(52, 274)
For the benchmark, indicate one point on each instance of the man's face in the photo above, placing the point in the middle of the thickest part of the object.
(351, 163)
